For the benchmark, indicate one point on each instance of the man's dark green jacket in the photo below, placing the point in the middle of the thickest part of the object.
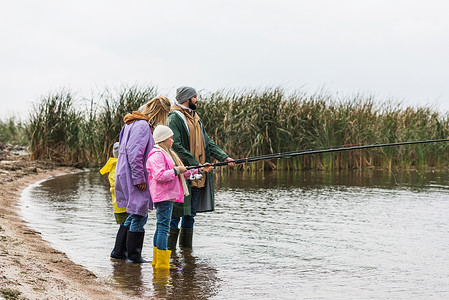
(181, 145)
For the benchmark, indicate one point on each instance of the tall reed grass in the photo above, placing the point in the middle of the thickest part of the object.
(82, 131)
(249, 123)
(54, 128)
(252, 122)
(12, 131)
(105, 118)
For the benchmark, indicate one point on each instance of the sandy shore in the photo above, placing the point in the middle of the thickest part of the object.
(29, 267)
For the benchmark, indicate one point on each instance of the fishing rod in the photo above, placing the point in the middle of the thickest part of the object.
(310, 152)
(286, 154)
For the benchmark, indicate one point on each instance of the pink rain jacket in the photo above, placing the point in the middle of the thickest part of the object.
(164, 185)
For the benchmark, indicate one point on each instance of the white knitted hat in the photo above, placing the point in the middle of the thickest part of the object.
(161, 133)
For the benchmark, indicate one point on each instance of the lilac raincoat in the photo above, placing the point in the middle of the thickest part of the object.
(135, 143)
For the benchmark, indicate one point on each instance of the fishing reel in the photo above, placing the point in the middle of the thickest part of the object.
(197, 176)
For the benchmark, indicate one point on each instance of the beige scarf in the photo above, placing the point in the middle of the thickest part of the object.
(136, 115)
(196, 141)
(177, 161)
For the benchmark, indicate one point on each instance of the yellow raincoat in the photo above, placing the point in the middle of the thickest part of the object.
(109, 167)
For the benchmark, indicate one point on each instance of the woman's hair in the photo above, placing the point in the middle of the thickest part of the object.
(157, 110)
(172, 153)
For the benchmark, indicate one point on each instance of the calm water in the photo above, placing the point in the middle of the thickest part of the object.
(369, 235)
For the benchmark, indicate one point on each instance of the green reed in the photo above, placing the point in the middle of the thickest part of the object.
(251, 122)
(82, 131)
(54, 128)
(105, 119)
(13, 131)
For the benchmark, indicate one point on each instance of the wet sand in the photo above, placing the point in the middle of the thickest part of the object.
(29, 267)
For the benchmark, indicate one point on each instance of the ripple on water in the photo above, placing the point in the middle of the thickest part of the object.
(291, 236)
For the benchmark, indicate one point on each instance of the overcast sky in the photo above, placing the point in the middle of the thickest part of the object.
(390, 49)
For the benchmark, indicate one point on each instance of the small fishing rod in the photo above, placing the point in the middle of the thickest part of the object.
(310, 152)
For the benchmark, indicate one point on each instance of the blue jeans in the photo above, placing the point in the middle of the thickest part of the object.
(135, 223)
(163, 216)
(188, 221)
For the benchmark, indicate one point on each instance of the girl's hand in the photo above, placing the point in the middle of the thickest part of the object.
(182, 170)
(207, 169)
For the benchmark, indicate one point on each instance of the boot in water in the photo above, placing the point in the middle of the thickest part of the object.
(119, 251)
(134, 243)
(185, 238)
(172, 238)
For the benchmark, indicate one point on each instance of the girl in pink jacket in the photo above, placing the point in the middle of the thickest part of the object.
(166, 179)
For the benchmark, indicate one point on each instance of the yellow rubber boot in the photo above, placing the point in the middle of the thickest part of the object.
(163, 259)
(154, 256)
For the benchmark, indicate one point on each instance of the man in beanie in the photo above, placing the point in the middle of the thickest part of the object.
(194, 147)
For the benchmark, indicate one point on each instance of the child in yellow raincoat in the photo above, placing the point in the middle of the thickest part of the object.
(120, 214)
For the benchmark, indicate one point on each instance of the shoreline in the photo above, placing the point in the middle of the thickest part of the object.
(29, 267)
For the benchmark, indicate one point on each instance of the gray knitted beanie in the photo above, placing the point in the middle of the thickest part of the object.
(115, 150)
(184, 93)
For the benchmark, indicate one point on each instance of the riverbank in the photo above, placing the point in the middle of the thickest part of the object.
(29, 267)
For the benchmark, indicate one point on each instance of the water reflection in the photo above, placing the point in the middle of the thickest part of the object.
(313, 235)
(129, 276)
(389, 179)
(192, 279)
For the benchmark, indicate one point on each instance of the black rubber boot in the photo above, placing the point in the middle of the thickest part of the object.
(172, 238)
(185, 238)
(134, 243)
(119, 251)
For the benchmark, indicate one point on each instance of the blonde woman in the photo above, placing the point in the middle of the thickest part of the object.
(135, 143)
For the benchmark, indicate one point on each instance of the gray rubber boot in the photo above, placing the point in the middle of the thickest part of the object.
(119, 251)
(172, 238)
(134, 243)
(185, 238)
